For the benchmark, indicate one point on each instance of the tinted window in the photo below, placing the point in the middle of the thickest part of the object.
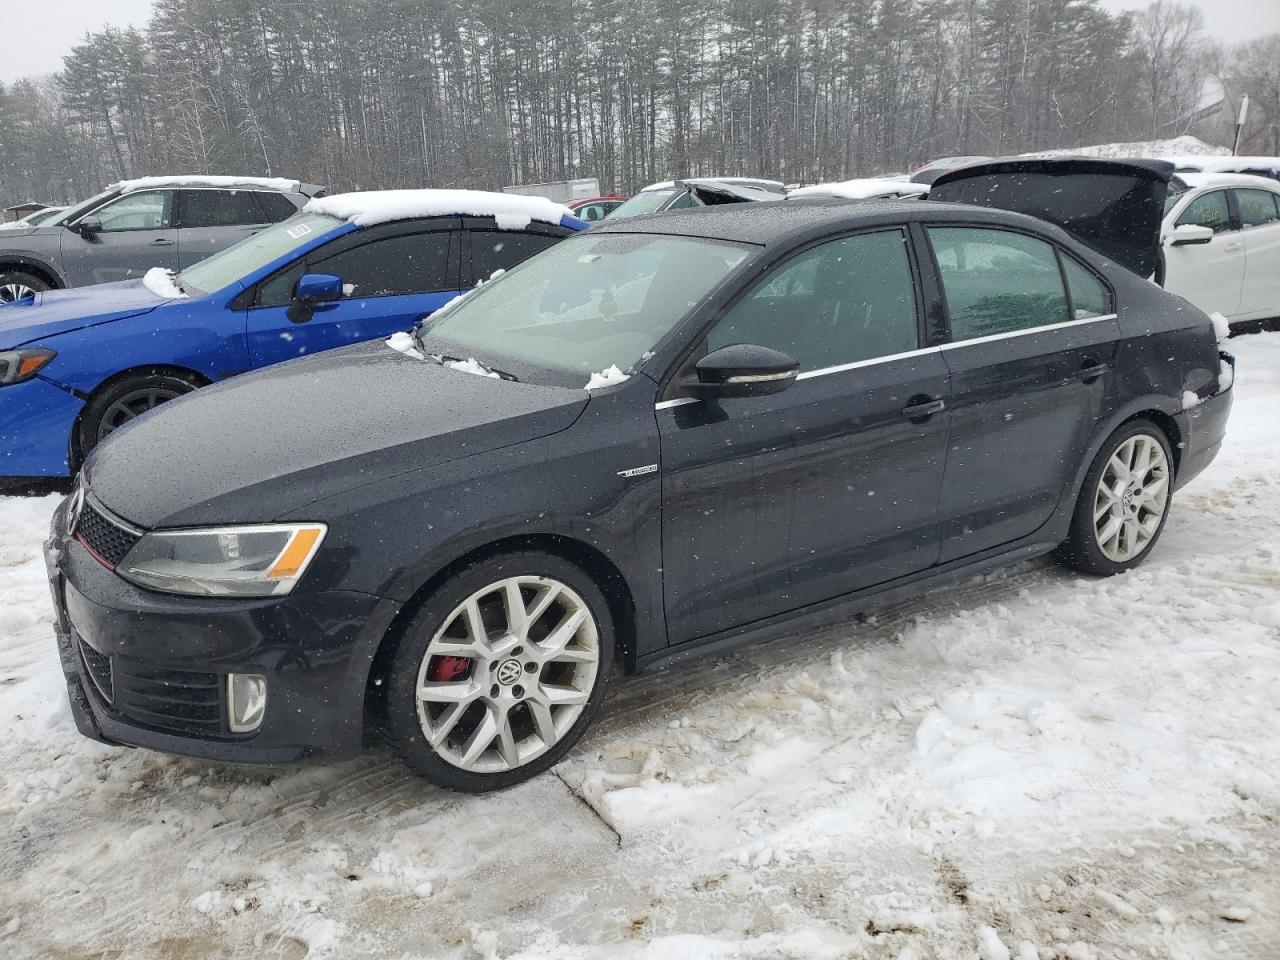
(276, 206)
(219, 208)
(1089, 297)
(839, 302)
(417, 263)
(1208, 210)
(502, 249)
(997, 282)
(1257, 207)
(151, 210)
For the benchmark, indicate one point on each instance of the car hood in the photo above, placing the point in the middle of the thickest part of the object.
(61, 311)
(258, 447)
(1114, 206)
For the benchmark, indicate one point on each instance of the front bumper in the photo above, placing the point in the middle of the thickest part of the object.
(36, 419)
(149, 670)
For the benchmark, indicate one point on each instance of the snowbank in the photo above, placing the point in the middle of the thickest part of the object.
(1186, 146)
(151, 183)
(511, 211)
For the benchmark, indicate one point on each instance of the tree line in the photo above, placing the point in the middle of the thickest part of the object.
(363, 94)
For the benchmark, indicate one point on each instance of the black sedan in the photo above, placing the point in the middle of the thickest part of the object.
(761, 415)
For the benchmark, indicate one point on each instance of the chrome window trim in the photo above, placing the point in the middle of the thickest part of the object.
(1029, 330)
(840, 368)
(677, 402)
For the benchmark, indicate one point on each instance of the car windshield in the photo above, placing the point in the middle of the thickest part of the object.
(647, 201)
(81, 208)
(587, 304)
(253, 253)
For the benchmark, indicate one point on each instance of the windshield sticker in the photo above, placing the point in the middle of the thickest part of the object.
(301, 230)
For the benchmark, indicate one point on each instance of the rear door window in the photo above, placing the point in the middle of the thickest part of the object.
(493, 250)
(275, 206)
(997, 281)
(839, 302)
(1208, 210)
(1089, 295)
(1258, 208)
(219, 208)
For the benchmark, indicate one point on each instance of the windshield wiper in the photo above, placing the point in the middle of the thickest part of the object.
(443, 359)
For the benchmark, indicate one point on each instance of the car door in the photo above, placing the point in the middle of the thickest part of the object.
(1210, 275)
(771, 503)
(1031, 369)
(393, 275)
(210, 220)
(1259, 212)
(137, 233)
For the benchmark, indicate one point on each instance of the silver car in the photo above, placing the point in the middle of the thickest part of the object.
(134, 225)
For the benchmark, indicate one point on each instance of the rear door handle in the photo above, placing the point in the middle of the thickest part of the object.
(923, 410)
(161, 242)
(1091, 372)
(1233, 246)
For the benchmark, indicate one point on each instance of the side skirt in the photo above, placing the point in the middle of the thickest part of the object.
(843, 607)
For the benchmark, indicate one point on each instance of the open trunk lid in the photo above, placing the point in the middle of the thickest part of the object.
(1114, 206)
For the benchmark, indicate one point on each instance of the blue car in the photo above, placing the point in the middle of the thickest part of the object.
(77, 364)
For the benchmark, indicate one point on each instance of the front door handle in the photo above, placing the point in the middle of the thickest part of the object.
(922, 408)
(161, 242)
(1091, 371)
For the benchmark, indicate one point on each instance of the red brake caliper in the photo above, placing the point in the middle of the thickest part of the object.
(445, 669)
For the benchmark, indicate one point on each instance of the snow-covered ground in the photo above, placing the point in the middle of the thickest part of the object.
(1034, 765)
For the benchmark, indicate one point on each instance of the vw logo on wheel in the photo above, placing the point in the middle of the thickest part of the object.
(509, 672)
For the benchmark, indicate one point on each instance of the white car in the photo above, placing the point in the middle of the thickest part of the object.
(1222, 244)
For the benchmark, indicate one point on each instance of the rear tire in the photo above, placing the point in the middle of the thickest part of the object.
(15, 285)
(1124, 502)
(112, 408)
(499, 671)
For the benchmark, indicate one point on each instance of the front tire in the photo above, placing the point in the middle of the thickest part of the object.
(16, 285)
(1124, 502)
(499, 672)
(112, 408)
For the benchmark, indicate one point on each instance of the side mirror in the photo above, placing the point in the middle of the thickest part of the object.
(88, 226)
(318, 288)
(312, 290)
(744, 370)
(1190, 234)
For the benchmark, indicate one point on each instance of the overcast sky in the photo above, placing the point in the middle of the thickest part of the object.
(63, 22)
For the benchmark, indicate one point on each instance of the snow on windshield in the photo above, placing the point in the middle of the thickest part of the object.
(151, 183)
(512, 212)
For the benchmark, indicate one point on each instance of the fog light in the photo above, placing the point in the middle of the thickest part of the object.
(246, 700)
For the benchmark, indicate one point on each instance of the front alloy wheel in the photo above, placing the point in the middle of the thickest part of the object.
(507, 674)
(498, 670)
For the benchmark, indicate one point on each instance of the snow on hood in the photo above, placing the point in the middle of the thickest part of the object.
(160, 282)
(511, 211)
(863, 188)
(151, 183)
(606, 378)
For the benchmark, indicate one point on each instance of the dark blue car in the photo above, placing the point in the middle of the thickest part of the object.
(77, 364)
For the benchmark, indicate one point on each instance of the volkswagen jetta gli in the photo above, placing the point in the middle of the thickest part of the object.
(667, 435)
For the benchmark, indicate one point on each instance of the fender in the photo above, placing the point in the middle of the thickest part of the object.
(21, 259)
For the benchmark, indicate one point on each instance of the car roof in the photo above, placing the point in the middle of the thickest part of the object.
(511, 211)
(767, 224)
(277, 184)
(1200, 181)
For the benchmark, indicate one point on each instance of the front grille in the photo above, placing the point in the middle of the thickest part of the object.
(179, 700)
(98, 667)
(107, 539)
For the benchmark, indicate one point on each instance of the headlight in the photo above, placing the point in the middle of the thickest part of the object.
(19, 365)
(263, 561)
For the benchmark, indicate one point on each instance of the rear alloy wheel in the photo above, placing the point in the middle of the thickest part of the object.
(505, 682)
(110, 410)
(15, 286)
(1124, 502)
